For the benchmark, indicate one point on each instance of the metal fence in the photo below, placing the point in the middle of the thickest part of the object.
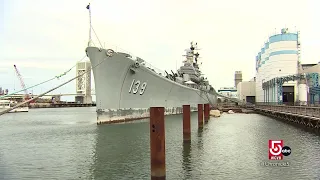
(310, 111)
(297, 103)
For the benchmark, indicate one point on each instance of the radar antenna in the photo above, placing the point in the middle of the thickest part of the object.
(192, 47)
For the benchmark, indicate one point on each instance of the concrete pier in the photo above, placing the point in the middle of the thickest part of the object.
(186, 123)
(200, 115)
(157, 143)
(206, 112)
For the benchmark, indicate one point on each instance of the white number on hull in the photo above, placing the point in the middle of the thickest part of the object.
(134, 87)
(143, 88)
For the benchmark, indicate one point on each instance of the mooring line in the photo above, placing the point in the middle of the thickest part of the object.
(25, 102)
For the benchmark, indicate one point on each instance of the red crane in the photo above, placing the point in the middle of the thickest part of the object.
(26, 96)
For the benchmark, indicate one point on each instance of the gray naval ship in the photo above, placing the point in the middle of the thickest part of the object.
(126, 86)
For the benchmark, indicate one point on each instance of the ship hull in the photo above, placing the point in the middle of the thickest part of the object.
(125, 92)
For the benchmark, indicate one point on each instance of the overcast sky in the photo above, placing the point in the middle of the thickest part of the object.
(45, 38)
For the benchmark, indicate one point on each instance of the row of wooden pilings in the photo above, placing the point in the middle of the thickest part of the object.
(157, 135)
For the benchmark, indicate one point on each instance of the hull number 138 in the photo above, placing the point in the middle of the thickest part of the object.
(137, 86)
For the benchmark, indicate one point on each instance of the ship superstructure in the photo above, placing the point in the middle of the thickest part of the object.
(189, 73)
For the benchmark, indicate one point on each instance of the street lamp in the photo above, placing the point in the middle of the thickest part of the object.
(264, 92)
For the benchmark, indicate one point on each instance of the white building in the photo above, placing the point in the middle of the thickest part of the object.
(247, 91)
(279, 57)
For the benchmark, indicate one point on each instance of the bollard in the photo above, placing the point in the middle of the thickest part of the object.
(186, 123)
(200, 115)
(157, 143)
(206, 112)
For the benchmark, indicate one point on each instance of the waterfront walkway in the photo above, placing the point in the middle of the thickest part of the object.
(304, 115)
(298, 110)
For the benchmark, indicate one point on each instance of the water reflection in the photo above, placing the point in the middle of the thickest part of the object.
(200, 132)
(186, 160)
(122, 149)
(200, 141)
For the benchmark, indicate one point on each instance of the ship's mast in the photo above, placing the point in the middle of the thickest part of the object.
(89, 8)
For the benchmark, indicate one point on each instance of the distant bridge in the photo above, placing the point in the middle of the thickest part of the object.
(48, 95)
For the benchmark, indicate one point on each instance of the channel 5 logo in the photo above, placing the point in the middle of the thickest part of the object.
(277, 150)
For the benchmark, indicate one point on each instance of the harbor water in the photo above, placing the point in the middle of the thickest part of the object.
(66, 143)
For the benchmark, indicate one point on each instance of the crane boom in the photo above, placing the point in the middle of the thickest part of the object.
(22, 83)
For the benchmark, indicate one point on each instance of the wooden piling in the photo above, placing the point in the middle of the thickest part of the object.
(206, 112)
(157, 143)
(200, 115)
(186, 123)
